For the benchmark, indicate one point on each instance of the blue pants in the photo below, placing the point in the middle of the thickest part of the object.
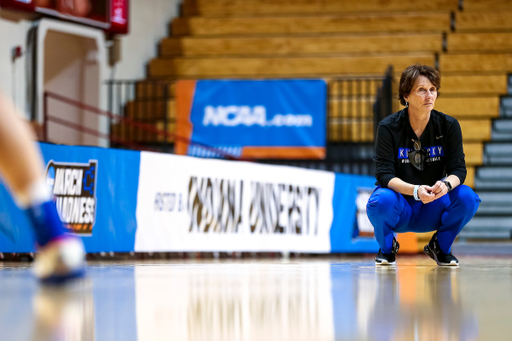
(389, 212)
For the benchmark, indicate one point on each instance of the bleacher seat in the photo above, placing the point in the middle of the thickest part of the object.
(283, 67)
(469, 107)
(291, 46)
(487, 5)
(480, 42)
(312, 25)
(226, 8)
(483, 21)
(478, 85)
(475, 63)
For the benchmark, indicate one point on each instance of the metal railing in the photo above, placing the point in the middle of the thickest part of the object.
(79, 127)
(147, 101)
(129, 122)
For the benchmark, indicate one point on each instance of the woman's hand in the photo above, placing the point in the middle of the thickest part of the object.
(439, 189)
(426, 194)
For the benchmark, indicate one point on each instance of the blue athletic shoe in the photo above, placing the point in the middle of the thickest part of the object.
(60, 260)
(60, 256)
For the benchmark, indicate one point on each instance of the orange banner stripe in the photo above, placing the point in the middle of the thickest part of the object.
(185, 90)
(283, 152)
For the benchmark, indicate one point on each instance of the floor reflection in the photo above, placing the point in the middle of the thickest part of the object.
(419, 303)
(64, 313)
(267, 300)
(235, 302)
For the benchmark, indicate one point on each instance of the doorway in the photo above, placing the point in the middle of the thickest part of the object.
(71, 63)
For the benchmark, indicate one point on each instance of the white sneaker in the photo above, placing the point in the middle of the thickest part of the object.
(60, 260)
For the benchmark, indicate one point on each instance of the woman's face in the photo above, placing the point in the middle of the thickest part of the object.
(422, 96)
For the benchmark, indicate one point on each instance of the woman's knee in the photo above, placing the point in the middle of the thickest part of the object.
(466, 198)
(381, 201)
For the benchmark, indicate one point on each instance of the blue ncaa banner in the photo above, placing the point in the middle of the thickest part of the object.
(351, 230)
(253, 118)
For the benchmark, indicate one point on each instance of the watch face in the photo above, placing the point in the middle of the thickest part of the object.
(448, 185)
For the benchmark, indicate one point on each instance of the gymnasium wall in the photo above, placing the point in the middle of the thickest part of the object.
(13, 32)
(149, 21)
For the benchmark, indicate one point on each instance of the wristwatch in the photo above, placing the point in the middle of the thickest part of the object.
(448, 185)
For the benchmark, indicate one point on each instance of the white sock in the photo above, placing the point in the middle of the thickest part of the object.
(34, 194)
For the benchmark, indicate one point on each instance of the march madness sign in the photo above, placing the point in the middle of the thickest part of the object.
(74, 188)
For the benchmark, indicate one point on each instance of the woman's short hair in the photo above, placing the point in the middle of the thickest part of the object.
(410, 75)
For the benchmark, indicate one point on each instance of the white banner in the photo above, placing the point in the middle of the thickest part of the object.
(192, 204)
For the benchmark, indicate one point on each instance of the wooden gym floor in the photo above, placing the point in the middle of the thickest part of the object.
(316, 298)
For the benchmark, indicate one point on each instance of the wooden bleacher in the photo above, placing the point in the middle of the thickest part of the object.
(476, 42)
(477, 85)
(228, 8)
(484, 21)
(475, 130)
(148, 89)
(288, 67)
(474, 153)
(476, 63)
(487, 5)
(292, 46)
(469, 107)
(328, 39)
(312, 25)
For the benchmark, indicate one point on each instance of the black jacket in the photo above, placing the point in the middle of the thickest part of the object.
(442, 138)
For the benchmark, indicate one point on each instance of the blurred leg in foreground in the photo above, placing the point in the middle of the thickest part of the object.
(60, 255)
